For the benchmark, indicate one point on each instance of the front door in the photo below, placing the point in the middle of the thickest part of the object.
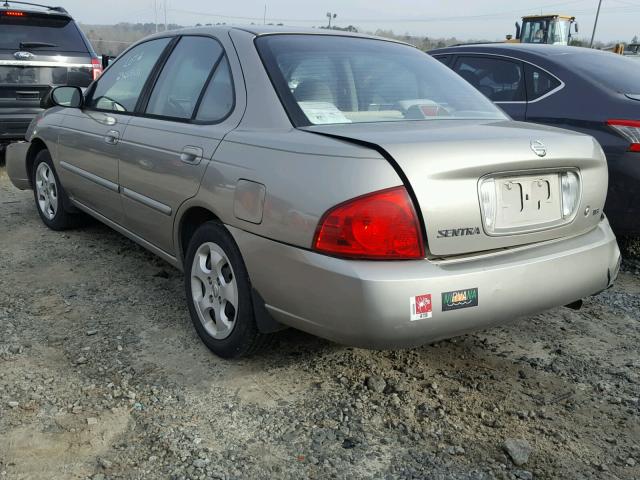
(89, 143)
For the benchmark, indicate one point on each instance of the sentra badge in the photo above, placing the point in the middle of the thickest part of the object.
(458, 232)
(459, 299)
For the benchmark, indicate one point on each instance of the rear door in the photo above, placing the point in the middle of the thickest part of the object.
(167, 147)
(89, 140)
(500, 79)
(37, 51)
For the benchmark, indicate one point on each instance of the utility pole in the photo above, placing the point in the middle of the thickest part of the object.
(165, 16)
(331, 16)
(264, 16)
(155, 13)
(595, 24)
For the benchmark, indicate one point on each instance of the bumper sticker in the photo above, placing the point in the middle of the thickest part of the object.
(421, 307)
(459, 299)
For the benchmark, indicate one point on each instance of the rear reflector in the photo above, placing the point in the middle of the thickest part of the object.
(630, 130)
(379, 226)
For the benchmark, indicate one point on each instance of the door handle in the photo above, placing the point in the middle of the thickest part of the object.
(112, 137)
(191, 155)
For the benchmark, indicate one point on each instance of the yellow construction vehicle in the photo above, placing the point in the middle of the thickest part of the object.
(551, 29)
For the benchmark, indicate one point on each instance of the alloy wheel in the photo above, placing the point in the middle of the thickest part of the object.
(47, 191)
(214, 290)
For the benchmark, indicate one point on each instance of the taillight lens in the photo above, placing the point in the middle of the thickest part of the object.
(381, 225)
(630, 130)
(97, 67)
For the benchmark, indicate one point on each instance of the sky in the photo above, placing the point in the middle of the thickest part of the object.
(463, 19)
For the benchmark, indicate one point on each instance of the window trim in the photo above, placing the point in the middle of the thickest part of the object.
(147, 89)
(548, 94)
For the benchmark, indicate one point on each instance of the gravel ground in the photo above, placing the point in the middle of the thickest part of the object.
(102, 376)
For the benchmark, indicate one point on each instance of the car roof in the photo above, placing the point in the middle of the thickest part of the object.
(262, 30)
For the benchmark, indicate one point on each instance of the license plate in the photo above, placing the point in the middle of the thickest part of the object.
(528, 201)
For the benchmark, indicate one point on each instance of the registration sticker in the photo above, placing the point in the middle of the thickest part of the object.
(421, 307)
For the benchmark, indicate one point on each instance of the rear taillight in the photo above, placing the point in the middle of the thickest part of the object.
(97, 67)
(12, 13)
(380, 225)
(630, 130)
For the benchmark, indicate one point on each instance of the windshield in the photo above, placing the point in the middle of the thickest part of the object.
(325, 79)
(534, 31)
(58, 34)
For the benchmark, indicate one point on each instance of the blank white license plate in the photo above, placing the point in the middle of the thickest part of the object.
(528, 201)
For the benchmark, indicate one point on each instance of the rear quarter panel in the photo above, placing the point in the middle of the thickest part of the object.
(304, 175)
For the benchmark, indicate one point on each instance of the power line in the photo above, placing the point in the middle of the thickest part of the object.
(629, 8)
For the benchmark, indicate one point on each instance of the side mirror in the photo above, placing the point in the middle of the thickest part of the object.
(517, 31)
(70, 97)
(575, 26)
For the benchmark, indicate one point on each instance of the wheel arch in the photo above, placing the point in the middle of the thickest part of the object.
(187, 224)
(37, 145)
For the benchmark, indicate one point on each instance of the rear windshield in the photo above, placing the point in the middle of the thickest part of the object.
(614, 72)
(324, 79)
(40, 28)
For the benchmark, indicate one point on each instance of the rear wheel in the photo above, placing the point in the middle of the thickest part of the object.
(49, 194)
(219, 293)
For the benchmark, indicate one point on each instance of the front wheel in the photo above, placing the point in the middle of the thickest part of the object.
(219, 293)
(49, 194)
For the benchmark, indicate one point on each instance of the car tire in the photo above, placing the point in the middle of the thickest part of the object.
(219, 293)
(51, 199)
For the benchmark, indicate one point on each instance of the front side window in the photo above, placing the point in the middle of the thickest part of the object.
(185, 74)
(119, 88)
(559, 32)
(500, 80)
(324, 79)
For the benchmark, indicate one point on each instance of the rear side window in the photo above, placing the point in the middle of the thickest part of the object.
(443, 58)
(219, 97)
(41, 33)
(119, 88)
(539, 82)
(500, 80)
(184, 76)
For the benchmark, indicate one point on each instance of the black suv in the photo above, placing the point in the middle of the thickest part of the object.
(40, 47)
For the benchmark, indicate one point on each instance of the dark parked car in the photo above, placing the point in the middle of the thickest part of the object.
(40, 47)
(586, 90)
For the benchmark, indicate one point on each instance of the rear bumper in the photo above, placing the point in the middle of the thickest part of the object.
(367, 304)
(16, 160)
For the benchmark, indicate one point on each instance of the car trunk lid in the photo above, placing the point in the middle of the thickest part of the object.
(445, 163)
